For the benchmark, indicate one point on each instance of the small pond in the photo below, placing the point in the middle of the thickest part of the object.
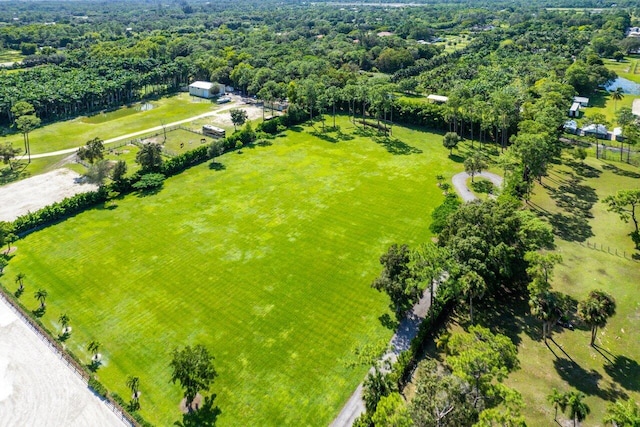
(627, 86)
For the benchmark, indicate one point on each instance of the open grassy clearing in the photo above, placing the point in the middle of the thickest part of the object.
(602, 103)
(573, 195)
(570, 198)
(453, 43)
(629, 68)
(266, 257)
(76, 132)
(10, 55)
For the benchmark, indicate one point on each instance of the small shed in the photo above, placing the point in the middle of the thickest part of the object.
(583, 101)
(599, 131)
(438, 98)
(571, 126)
(205, 89)
(574, 111)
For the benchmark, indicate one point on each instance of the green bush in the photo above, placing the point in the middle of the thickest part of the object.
(59, 210)
(97, 386)
(272, 126)
(441, 214)
(419, 113)
(149, 181)
(295, 115)
(119, 400)
(185, 160)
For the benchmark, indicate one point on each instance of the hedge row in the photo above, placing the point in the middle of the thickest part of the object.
(56, 211)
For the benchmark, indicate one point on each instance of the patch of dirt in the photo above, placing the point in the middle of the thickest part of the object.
(36, 192)
(223, 118)
(195, 405)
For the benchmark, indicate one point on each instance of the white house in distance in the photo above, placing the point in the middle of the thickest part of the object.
(597, 130)
(583, 101)
(438, 98)
(206, 89)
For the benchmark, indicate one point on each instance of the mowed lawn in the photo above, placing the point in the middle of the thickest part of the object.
(572, 200)
(135, 118)
(265, 257)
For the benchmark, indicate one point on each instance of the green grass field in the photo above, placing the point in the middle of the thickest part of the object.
(597, 252)
(10, 55)
(571, 199)
(573, 202)
(629, 68)
(602, 103)
(265, 257)
(76, 132)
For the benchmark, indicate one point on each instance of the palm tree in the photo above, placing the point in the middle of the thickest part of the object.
(558, 400)
(545, 307)
(93, 347)
(41, 296)
(623, 414)
(64, 322)
(20, 280)
(578, 410)
(617, 95)
(134, 383)
(473, 286)
(596, 310)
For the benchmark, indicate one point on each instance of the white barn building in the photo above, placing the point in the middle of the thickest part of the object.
(206, 89)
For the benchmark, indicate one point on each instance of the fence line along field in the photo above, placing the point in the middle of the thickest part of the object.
(265, 257)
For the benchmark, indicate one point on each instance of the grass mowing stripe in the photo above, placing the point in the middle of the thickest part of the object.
(268, 261)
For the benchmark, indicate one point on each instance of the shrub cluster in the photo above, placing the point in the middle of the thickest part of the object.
(419, 113)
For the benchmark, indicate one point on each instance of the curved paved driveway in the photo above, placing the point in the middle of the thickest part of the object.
(460, 183)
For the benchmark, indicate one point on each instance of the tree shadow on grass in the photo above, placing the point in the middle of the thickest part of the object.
(19, 171)
(94, 365)
(572, 228)
(456, 158)
(396, 146)
(39, 312)
(583, 169)
(388, 322)
(574, 198)
(215, 166)
(586, 381)
(507, 315)
(625, 372)
(206, 416)
(324, 137)
(622, 172)
(148, 192)
(344, 136)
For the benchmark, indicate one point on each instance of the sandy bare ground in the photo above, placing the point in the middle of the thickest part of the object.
(223, 117)
(39, 191)
(37, 388)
